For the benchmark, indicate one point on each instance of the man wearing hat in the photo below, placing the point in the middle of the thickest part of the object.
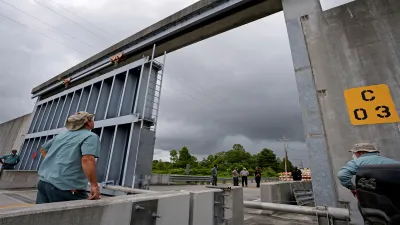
(363, 154)
(70, 163)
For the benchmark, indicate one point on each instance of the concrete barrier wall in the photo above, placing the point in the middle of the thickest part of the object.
(12, 133)
(14, 179)
(160, 179)
(122, 210)
(201, 207)
(234, 214)
(282, 192)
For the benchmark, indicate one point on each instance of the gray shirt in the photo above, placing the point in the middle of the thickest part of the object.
(214, 171)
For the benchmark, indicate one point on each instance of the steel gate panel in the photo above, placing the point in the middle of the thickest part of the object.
(117, 98)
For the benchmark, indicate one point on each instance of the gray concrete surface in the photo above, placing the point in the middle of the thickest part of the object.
(117, 210)
(350, 46)
(22, 200)
(16, 179)
(282, 192)
(12, 133)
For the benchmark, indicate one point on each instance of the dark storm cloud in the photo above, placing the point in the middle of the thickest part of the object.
(237, 87)
(240, 83)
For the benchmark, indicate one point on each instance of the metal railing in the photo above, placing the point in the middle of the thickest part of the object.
(189, 178)
(207, 179)
(334, 213)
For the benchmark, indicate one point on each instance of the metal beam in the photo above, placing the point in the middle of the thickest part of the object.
(197, 22)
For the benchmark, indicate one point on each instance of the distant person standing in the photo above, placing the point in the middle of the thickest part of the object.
(70, 163)
(9, 161)
(244, 173)
(235, 176)
(214, 172)
(257, 175)
(297, 174)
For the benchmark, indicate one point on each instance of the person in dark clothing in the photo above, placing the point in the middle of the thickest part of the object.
(257, 175)
(244, 173)
(214, 175)
(296, 174)
(9, 161)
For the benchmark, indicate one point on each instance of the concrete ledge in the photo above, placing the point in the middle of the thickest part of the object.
(122, 210)
(14, 179)
(282, 192)
(202, 206)
(160, 179)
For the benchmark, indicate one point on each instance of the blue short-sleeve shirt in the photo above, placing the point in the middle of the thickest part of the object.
(62, 166)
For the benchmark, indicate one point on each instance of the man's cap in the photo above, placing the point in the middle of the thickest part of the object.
(364, 147)
(244, 168)
(78, 120)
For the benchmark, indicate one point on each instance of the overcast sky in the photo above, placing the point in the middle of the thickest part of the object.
(237, 87)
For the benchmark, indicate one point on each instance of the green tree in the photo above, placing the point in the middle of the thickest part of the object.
(238, 147)
(173, 156)
(267, 158)
(184, 158)
(236, 157)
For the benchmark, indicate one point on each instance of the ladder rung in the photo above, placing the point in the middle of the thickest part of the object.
(156, 103)
(151, 107)
(155, 84)
(153, 96)
(154, 89)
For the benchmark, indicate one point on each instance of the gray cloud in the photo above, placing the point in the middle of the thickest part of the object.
(237, 87)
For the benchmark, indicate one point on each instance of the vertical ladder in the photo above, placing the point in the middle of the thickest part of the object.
(152, 103)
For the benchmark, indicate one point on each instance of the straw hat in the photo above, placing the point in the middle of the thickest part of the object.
(78, 120)
(364, 147)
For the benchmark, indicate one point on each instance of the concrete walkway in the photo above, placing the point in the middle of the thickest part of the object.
(13, 199)
(17, 199)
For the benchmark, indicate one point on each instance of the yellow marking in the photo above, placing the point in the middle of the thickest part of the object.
(370, 105)
(15, 206)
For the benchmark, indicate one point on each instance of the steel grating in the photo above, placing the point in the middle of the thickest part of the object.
(304, 197)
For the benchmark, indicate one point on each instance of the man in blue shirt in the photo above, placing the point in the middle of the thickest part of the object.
(363, 154)
(9, 161)
(70, 163)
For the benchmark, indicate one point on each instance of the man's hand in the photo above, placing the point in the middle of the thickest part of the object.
(354, 192)
(43, 153)
(94, 192)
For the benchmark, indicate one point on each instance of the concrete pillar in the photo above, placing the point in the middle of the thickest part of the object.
(353, 45)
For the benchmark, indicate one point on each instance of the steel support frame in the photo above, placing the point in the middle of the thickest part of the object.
(203, 14)
(321, 168)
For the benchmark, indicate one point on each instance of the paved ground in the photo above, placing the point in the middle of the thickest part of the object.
(10, 199)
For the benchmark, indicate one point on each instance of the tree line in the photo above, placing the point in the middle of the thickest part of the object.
(227, 161)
